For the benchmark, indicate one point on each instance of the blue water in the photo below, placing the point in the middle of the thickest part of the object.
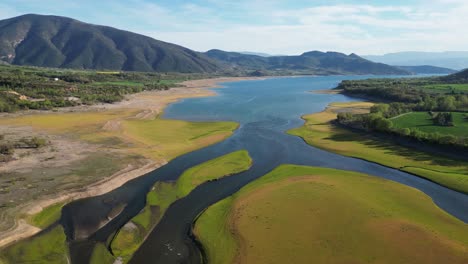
(265, 110)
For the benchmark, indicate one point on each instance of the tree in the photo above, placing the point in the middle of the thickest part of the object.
(443, 119)
(446, 103)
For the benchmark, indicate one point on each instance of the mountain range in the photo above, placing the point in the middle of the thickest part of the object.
(427, 69)
(61, 42)
(314, 61)
(457, 60)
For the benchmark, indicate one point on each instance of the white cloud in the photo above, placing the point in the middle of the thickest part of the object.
(273, 27)
(363, 29)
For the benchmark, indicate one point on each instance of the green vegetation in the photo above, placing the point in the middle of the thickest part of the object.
(49, 247)
(161, 138)
(211, 170)
(8, 145)
(451, 88)
(385, 117)
(213, 230)
(424, 122)
(163, 194)
(103, 48)
(297, 214)
(414, 93)
(101, 255)
(43, 88)
(47, 216)
(131, 142)
(320, 130)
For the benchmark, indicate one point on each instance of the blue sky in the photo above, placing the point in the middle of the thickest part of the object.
(275, 26)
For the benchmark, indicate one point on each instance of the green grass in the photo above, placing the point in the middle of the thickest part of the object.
(320, 132)
(48, 248)
(47, 216)
(211, 170)
(171, 138)
(212, 229)
(123, 83)
(447, 87)
(163, 194)
(298, 214)
(423, 122)
(101, 255)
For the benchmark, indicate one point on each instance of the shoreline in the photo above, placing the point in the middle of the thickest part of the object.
(151, 104)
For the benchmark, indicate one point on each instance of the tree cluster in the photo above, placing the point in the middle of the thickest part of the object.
(377, 121)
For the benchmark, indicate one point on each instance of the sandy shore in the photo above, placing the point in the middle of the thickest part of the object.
(151, 104)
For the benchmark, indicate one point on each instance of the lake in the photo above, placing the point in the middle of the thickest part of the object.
(265, 110)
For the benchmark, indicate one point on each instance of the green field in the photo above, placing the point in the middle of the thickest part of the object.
(162, 138)
(47, 216)
(163, 194)
(45, 248)
(297, 214)
(444, 88)
(423, 122)
(101, 255)
(319, 131)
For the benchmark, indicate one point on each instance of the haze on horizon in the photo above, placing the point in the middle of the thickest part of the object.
(275, 26)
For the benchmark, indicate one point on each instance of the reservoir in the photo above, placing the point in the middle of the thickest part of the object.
(265, 110)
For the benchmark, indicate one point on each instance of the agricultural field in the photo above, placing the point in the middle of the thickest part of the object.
(298, 214)
(446, 88)
(163, 194)
(319, 131)
(423, 122)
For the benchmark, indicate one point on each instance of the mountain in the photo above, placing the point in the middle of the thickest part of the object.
(312, 62)
(60, 42)
(451, 59)
(459, 77)
(261, 54)
(427, 69)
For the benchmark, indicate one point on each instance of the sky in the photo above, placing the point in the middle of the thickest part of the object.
(275, 26)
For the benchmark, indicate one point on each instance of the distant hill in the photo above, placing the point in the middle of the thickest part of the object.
(261, 54)
(459, 77)
(313, 62)
(52, 41)
(60, 42)
(457, 60)
(427, 69)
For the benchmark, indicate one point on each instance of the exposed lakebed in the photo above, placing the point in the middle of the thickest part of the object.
(265, 110)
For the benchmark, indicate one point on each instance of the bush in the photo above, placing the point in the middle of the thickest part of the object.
(443, 119)
(6, 149)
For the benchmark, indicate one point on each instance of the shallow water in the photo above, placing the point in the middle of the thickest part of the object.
(265, 110)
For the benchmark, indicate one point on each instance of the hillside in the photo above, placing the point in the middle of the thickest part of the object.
(314, 62)
(60, 42)
(427, 69)
(459, 77)
(457, 60)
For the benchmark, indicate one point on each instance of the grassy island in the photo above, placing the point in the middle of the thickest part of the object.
(297, 214)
